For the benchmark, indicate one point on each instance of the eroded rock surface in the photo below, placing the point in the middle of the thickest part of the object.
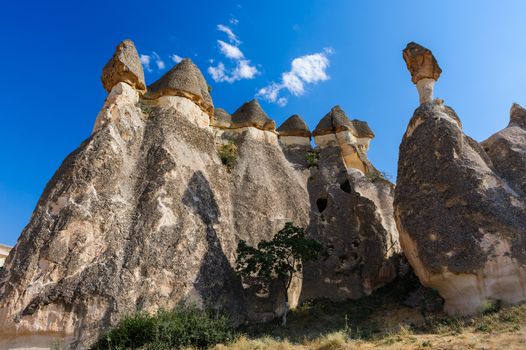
(250, 114)
(185, 80)
(143, 215)
(424, 69)
(461, 213)
(352, 215)
(124, 66)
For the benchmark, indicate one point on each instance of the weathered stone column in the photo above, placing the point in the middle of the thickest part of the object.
(424, 70)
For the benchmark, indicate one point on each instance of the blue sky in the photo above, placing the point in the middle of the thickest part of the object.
(347, 53)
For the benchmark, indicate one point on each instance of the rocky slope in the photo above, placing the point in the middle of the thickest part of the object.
(144, 215)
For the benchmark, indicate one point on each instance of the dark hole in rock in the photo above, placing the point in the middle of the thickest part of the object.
(346, 186)
(321, 203)
(356, 244)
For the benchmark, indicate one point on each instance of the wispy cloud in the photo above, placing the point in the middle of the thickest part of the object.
(176, 58)
(233, 21)
(307, 69)
(147, 60)
(230, 51)
(231, 36)
(158, 61)
(242, 67)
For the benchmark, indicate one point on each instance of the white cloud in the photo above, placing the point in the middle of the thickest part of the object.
(234, 21)
(307, 69)
(231, 36)
(230, 51)
(176, 58)
(158, 61)
(241, 67)
(145, 60)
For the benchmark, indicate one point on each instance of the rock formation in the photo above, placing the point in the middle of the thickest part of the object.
(352, 137)
(460, 208)
(183, 80)
(424, 70)
(4, 252)
(221, 119)
(144, 215)
(124, 66)
(250, 114)
(352, 214)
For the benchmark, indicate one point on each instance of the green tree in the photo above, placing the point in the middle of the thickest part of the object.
(282, 257)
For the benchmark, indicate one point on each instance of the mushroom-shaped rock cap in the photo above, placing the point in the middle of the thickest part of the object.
(336, 120)
(517, 116)
(251, 114)
(124, 66)
(421, 63)
(221, 118)
(185, 80)
(294, 126)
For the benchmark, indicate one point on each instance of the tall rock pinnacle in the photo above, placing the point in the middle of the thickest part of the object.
(424, 69)
(124, 66)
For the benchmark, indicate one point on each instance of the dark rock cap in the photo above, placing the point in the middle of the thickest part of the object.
(294, 126)
(336, 120)
(517, 116)
(420, 62)
(221, 118)
(251, 114)
(124, 66)
(185, 80)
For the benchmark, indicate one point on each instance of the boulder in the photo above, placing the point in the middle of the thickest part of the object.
(250, 114)
(124, 66)
(185, 80)
(460, 210)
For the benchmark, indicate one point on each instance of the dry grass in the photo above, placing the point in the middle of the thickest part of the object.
(503, 329)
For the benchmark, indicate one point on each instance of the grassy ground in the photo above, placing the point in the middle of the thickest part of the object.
(383, 321)
(391, 327)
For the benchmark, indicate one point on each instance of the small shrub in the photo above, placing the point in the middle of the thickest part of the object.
(183, 327)
(312, 159)
(228, 154)
(376, 176)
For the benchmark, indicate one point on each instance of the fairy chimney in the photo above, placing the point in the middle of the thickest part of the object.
(424, 70)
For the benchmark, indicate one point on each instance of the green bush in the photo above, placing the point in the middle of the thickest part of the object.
(228, 155)
(183, 327)
(312, 159)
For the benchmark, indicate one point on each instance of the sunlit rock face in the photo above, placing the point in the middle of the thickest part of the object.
(460, 209)
(4, 252)
(142, 216)
(351, 214)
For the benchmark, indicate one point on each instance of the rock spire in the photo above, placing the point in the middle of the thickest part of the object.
(424, 69)
(124, 66)
(251, 114)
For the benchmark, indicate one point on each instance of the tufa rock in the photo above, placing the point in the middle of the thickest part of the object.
(294, 126)
(185, 80)
(124, 66)
(506, 150)
(142, 216)
(250, 114)
(222, 119)
(352, 215)
(461, 214)
(352, 137)
(424, 69)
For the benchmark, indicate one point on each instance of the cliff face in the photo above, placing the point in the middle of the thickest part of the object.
(144, 215)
